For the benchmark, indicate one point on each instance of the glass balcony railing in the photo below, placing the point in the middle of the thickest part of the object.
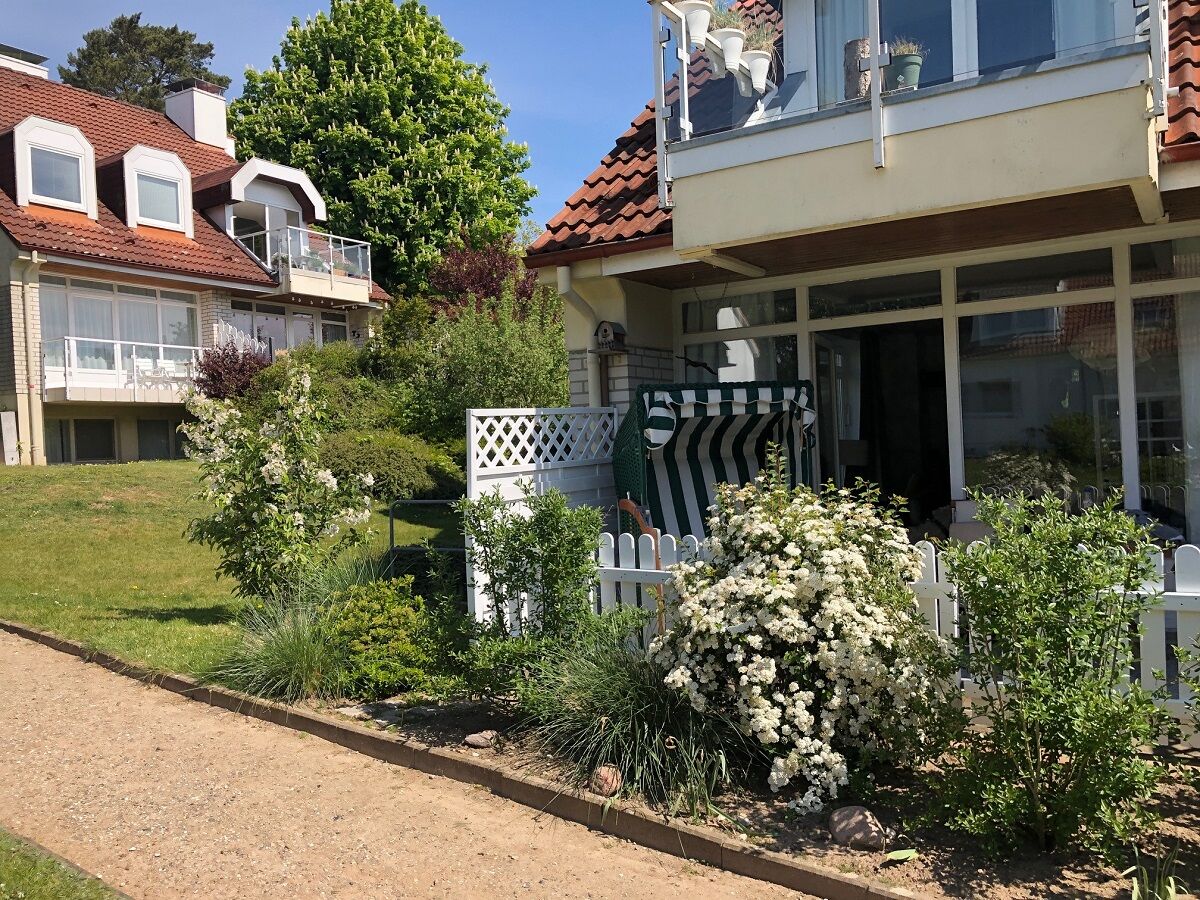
(712, 79)
(315, 252)
(83, 362)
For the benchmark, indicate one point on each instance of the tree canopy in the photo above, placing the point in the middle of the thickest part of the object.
(405, 139)
(129, 61)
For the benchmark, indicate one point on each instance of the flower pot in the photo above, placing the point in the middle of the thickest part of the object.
(904, 72)
(698, 15)
(732, 40)
(759, 63)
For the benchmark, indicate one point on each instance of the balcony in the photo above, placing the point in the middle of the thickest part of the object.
(963, 104)
(90, 370)
(314, 264)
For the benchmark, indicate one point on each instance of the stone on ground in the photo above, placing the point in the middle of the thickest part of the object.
(857, 827)
(606, 781)
(481, 740)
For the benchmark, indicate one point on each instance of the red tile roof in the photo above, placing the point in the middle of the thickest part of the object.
(617, 211)
(113, 128)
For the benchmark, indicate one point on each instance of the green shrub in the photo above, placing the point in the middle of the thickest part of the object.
(341, 382)
(284, 653)
(543, 562)
(404, 467)
(1049, 600)
(496, 353)
(384, 632)
(598, 702)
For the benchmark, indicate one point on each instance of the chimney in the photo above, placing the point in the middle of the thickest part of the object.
(198, 107)
(22, 61)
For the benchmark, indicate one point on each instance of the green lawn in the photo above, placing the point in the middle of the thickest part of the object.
(97, 554)
(27, 874)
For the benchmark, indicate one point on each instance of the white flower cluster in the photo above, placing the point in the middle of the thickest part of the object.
(275, 506)
(792, 622)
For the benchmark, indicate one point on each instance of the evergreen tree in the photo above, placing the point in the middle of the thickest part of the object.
(404, 138)
(129, 61)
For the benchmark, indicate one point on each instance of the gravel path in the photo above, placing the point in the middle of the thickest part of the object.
(163, 797)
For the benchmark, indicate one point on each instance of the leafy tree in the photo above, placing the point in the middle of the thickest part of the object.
(482, 271)
(133, 62)
(405, 139)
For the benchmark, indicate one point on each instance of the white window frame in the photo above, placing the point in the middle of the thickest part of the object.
(143, 160)
(56, 137)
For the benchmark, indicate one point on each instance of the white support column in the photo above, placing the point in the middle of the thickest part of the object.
(954, 420)
(1126, 380)
(804, 363)
(876, 63)
(660, 105)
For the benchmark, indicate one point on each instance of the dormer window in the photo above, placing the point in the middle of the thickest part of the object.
(55, 165)
(158, 200)
(158, 190)
(57, 176)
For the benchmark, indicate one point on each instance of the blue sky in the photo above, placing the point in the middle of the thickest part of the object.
(547, 59)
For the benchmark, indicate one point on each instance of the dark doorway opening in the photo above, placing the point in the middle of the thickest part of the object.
(881, 394)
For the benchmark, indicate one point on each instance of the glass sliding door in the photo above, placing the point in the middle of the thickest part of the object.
(93, 319)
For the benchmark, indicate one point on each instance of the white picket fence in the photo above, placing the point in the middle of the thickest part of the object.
(630, 575)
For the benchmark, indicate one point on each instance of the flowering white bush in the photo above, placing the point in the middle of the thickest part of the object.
(277, 511)
(800, 625)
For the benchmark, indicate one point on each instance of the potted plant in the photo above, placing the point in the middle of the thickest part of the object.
(729, 30)
(905, 69)
(759, 53)
(698, 15)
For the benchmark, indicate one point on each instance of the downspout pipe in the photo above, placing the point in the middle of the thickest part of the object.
(568, 292)
(28, 273)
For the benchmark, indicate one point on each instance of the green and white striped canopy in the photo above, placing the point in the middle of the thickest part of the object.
(697, 438)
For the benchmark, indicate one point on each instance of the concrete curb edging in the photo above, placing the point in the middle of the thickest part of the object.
(675, 838)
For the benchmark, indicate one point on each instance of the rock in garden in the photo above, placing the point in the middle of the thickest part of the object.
(857, 827)
(606, 781)
(354, 712)
(481, 740)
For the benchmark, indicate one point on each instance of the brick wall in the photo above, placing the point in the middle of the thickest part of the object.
(635, 367)
(214, 306)
(577, 376)
(8, 345)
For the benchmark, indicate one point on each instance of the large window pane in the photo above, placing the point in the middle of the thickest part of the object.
(1039, 400)
(1024, 32)
(179, 330)
(875, 295)
(839, 23)
(749, 359)
(928, 23)
(56, 175)
(53, 304)
(767, 308)
(154, 439)
(1164, 260)
(158, 199)
(95, 440)
(1167, 349)
(1032, 277)
(138, 323)
(93, 319)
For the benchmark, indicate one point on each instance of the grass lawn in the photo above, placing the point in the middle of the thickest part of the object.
(28, 874)
(97, 554)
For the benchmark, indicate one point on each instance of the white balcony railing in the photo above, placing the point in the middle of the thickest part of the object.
(705, 86)
(78, 365)
(314, 252)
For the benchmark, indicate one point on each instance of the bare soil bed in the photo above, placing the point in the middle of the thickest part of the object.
(946, 867)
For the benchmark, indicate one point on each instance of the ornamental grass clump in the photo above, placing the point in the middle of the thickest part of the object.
(800, 626)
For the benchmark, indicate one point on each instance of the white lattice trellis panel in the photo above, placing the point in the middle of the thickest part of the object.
(512, 440)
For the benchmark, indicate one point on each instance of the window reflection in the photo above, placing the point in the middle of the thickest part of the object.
(1039, 401)
(749, 359)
